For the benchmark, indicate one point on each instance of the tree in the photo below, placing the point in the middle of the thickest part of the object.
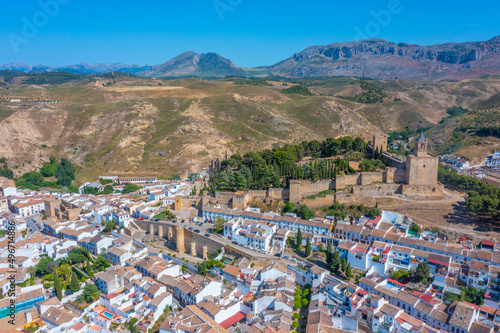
(48, 169)
(288, 207)
(305, 302)
(57, 286)
(335, 263)
(74, 284)
(64, 272)
(101, 263)
(415, 228)
(91, 293)
(297, 304)
(109, 226)
(295, 315)
(78, 255)
(374, 212)
(348, 272)
(400, 274)
(202, 269)
(422, 273)
(42, 266)
(108, 189)
(298, 239)
(130, 187)
(295, 323)
(343, 264)
(308, 247)
(472, 295)
(305, 212)
(240, 183)
(65, 173)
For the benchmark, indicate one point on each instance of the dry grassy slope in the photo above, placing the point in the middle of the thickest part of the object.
(155, 127)
(472, 147)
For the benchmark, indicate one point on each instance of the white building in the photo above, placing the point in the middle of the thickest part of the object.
(156, 195)
(455, 162)
(26, 207)
(7, 186)
(251, 234)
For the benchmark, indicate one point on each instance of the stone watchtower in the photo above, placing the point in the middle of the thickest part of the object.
(421, 167)
(380, 142)
(421, 146)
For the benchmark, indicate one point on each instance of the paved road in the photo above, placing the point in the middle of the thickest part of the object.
(30, 225)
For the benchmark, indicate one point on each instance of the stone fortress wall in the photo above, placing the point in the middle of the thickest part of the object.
(181, 239)
(414, 177)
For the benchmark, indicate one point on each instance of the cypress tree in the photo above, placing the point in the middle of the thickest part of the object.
(74, 284)
(329, 254)
(348, 272)
(335, 266)
(57, 286)
(308, 247)
(299, 238)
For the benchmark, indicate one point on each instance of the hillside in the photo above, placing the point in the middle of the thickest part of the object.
(380, 59)
(119, 124)
(372, 58)
(196, 65)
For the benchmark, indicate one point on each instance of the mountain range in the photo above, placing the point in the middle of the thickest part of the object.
(371, 58)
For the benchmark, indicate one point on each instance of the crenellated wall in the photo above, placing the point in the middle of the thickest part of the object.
(357, 184)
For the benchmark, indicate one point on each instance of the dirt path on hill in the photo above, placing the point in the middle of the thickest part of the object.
(448, 214)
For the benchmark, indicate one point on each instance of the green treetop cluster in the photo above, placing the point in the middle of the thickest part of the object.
(273, 168)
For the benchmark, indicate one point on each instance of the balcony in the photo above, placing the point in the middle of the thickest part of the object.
(387, 325)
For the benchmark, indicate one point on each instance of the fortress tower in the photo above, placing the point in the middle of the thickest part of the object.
(421, 167)
(380, 142)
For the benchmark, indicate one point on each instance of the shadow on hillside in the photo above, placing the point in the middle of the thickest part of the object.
(460, 215)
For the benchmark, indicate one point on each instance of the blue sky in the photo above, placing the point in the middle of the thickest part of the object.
(249, 32)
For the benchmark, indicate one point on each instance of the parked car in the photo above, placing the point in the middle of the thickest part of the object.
(198, 231)
(190, 228)
(141, 218)
(207, 235)
(285, 257)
